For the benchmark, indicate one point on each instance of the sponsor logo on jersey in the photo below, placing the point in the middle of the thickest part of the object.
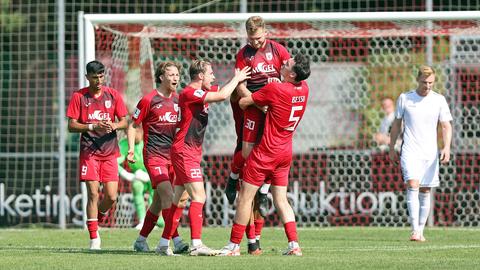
(273, 79)
(108, 104)
(136, 114)
(198, 93)
(269, 55)
(99, 115)
(168, 117)
(262, 67)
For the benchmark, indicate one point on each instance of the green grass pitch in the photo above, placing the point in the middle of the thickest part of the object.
(323, 248)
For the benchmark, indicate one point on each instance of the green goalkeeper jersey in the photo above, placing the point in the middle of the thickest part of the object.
(138, 155)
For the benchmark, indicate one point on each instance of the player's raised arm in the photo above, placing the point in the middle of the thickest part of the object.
(226, 90)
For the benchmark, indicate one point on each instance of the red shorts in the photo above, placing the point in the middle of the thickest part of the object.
(159, 170)
(98, 170)
(259, 167)
(187, 168)
(254, 120)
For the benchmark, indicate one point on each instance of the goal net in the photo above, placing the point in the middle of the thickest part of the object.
(339, 175)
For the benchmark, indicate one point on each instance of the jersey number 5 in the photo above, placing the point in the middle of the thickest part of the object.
(294, 118)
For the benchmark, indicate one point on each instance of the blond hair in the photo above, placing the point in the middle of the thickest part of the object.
(253, 24)
(425, 71)
(162, 67)
(198, 66)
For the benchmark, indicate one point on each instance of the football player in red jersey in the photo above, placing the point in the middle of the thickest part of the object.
(187, 147)
(92, 112)
(265, 57)
(271, 158)
(157, 114)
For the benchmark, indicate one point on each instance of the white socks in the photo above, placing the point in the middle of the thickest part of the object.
(413, 206)
(424, 198)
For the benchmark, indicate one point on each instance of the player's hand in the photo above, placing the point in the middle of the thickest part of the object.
(242, 74)
(130, 156)
(445, 155)
(264, 109)
(102, 126)
(393, 156)
(111, 126)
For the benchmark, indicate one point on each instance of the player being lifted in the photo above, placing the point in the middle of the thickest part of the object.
(157, 113)
(265, 57)
(271, 158)
(187, 150)
(92, 111)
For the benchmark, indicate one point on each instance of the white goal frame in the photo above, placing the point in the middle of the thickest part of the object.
(88, 22)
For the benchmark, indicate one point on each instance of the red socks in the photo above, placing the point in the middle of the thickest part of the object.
(291, 231)
(172, 218)
(237, 233)
(237, 162)
(195, 214)
(92, 226)
(250, 231)
(149, 223)
(259, 226)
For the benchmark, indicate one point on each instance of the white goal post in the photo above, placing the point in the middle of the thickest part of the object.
(87, 22)
(339, 176)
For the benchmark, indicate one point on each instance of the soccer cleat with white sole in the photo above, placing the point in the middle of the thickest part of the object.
(181, 248)
(228, 251)
(296, 251)
(417, 237)
(164, 251)
(95, 244)
(203, 250)
(141, 246)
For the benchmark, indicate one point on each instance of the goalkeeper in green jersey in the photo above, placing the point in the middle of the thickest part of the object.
(138, 176)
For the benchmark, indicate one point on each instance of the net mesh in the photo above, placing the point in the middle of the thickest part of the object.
(339, 175)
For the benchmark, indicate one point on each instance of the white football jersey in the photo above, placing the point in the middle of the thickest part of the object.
(421, 116)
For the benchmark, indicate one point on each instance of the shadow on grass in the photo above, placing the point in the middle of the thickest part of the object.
(77, 250)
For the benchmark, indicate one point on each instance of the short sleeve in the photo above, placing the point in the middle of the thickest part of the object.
(240, 62)
(445, 114)
(284, 54)
(400, 109)
(196, 96)
(266, 95)
(141, 111)
(120, 108)
(73, 110)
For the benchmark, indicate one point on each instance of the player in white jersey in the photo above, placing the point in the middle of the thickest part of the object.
(421, 110)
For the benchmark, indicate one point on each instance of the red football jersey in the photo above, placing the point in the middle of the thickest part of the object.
(88, 110)
(192, 121)
(286, 106)
(158, 116)
(265, 62)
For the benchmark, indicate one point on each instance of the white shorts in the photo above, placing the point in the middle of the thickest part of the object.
(425, 171)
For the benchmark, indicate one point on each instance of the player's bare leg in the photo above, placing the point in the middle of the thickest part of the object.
(172, 219)
(253, 243)
(109, 198)
(92, 214)
(287, 216)
(196, 191)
